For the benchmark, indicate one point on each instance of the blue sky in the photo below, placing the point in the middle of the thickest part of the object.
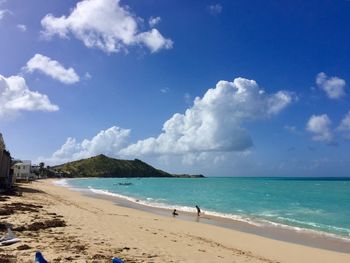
(107, 76)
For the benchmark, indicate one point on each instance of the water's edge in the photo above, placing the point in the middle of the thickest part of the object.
(264, 228)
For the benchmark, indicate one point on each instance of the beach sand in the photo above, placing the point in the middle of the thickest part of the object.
(67, 226)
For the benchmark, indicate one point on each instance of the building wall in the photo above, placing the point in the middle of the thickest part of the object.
(22, 171)
(5, 164)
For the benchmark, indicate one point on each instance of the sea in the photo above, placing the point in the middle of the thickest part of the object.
(313, 204)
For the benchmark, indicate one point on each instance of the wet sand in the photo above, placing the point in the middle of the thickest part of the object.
(288, 234)
(67, 226)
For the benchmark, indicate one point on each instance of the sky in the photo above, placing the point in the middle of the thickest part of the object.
(220, 88)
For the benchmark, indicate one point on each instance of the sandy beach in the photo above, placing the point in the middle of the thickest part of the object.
(67, 226)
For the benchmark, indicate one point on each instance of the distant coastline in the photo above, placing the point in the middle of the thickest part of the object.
(104, 166)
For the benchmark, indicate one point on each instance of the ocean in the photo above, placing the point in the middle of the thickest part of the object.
(314, 204)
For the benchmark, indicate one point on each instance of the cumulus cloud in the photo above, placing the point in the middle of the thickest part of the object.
(154, 40)
(22, 27)
(153, 21)
(319, 126)
(104, 24)
(215, 9)
(52, 68)
(344, 126)
(15, 96)
(215, 123)
(108, 141)
(333, 86)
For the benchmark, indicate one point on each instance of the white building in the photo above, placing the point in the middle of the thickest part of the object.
(22, 171)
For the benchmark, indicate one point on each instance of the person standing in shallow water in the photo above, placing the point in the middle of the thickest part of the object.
(198, 210)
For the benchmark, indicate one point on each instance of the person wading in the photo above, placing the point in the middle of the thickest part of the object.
(198, 210)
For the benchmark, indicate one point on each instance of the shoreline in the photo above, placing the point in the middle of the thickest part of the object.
(90, 229)
(296, 235)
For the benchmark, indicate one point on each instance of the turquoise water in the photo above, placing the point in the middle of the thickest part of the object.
(316, 204)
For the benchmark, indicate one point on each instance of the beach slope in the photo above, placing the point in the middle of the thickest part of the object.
(70, 227)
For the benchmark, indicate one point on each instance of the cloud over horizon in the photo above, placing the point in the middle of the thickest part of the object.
(15, 96)
(107, 141)
(52, 68)
(215, 123)
(106, 25)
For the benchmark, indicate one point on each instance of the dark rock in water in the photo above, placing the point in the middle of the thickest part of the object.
(189, 175)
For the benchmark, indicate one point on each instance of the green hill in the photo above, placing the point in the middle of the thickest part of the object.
(103, 166)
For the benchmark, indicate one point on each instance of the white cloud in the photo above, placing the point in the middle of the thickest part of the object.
(334, 86)
(215, 9)
(52, 68)
(3, 13)
(278, 101)
(104, 24)
(15, 96)
(154, 40)
(22, 27)
(215, 122)
(345, 125)
(203, 159)
(319, 125)
(108, 141)
(153, 21)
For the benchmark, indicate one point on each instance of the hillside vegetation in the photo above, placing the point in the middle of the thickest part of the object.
(103, 166)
